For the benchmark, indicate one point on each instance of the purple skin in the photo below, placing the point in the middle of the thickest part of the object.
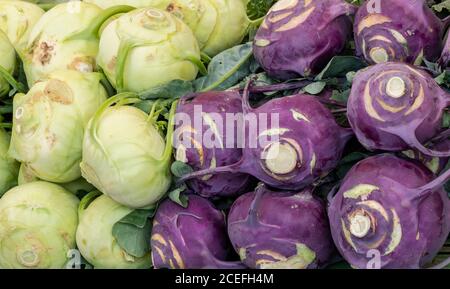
(280, 230)
(394, 206)
(199, 156)
(445, 57)
(190, 238)
(434, 164)
(397, 30)
(304, 144)
(299, 37)
(395, 106)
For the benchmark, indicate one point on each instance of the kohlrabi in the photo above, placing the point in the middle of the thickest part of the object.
(273, 230)
(7, 63)
(397, 30)
(194, 148)
(395, 106)
(17, 18)
(217, 24)
(299, 37)
(445, 56)
(26, 175)
(190, 238)
(49, 123)
(125, 155)
(66, 37)
(147, 47)
(390, 213)
(38, 222)
(9, 168)
(94, 234)
(288, 142)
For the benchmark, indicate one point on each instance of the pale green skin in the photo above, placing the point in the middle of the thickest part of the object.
(96, 242)
(17, 18)
(9, 168)
(154, 50)
(63, 38)
(26, 176)
(38, 223)
(125, 157)
(217, 24)
(49, 123)
(7, 61)
(110, 3)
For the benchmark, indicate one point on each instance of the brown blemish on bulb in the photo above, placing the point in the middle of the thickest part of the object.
(58, 91)
(112, 63)
(82, 64)
(46, 52)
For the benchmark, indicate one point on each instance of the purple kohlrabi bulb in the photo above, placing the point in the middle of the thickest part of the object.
(289, 142)
(445, 57)
(287, 230)
(190, 238)
(390, 213)
(205, 142)
(299, 37)
(394, 106)
(397, 30)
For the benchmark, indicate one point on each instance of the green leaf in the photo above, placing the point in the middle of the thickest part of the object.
(176, 196)
(133, 231)
(258, 8)
(339, 66)
(341, 96)
(446, 119)
(180, 169)
(315, 87)
(171, 90)
(226, 69)
(441, 6)
(443, 78)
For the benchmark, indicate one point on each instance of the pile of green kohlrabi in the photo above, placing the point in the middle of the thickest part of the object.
(338, 154)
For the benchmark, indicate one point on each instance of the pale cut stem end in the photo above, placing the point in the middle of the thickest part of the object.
(281, 158)
(360, 225)
(396, 87)
(379, 55)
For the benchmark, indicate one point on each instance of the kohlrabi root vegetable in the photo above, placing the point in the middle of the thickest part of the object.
(125, 155)
(94, 235)
(217, 24)
(280, 230)
(17, 19)
(147, 47)
(9, 168)
(38, 222)
(445, 56)
(397, 30)
(299, 37)
(395, 106)
(66, 37)
(7, 63)
(190, 238)
(193, 147)
(288, 142)
(49, 123)
(390, 213)
(26, 175)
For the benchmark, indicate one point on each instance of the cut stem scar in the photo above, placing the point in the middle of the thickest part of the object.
(360, 225)
(280, 158)
(379, 55)
(395, 87)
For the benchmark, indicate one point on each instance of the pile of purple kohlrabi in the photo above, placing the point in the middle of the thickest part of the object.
(397, 30)
(395, 106)
(194, 237)
(275, 230)
(288, 142)
(390, 213)
(299, 37)
(197, 116)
